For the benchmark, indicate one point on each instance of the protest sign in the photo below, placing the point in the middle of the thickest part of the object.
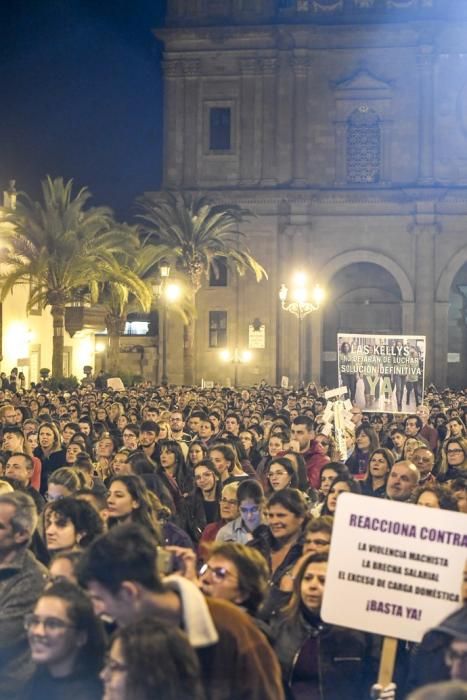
(395, 569)
(382, 373)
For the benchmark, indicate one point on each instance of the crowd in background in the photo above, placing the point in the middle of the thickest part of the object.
(192, 527)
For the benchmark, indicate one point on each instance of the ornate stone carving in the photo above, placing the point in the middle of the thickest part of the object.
(192, 68)
(172, 69)
(249, 66)
(327, 5)
(269, 66)
(300, 64)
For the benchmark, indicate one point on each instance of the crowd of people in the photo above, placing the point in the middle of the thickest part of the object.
(172, 542)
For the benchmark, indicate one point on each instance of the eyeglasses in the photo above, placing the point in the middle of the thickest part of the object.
(219, 573)
(455, 451)
(50, 499)
(452, 656)
(50, 624)
(249, 510)
(229, 501)
(114, 666)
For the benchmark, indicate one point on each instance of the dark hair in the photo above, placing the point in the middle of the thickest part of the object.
(306, 421)
(125, 553)
(289, 468)
(143, 515)
(252, 568)
(292, 609)
(338, 467)
(79, 608)
(353, 485)
(413, 416)
(322, 524)
(445, 496)
(371, 435)
(150, 426)
(292, 500)
(388, 456)
(175, 676)
(227, 452)
(82, 515)
(250, 488)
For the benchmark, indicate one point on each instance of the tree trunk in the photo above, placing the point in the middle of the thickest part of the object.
(58, 316)
(115, 327)
(188, 352)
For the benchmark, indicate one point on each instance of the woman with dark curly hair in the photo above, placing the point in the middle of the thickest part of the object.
(435, 496)
(70, 523)
(149, 660)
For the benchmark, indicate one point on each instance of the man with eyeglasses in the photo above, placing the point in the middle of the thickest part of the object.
(22, 579)
(424, 460)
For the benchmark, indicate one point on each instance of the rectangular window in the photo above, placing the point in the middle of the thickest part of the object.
(219, 128)
(218, 273)
(217, 329)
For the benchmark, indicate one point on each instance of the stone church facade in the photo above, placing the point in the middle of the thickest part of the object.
(342, 124)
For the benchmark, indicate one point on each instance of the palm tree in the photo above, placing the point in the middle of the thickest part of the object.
(61, 249)
(120, 296)
(195, 232)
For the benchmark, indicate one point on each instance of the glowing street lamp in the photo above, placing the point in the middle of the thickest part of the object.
(235, 357)
(300, 302)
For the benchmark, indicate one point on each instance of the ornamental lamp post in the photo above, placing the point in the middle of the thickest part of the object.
(235, 357)
(300, 302)
(168, 292)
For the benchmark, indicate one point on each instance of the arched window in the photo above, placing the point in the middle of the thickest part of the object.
(363, 146)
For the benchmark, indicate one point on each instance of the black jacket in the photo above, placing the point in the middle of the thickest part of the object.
(346, 665)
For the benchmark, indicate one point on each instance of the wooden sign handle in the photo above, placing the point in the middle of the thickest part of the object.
(387, 661)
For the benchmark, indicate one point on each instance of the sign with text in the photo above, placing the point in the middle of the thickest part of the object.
(382, 373)
(395, 569)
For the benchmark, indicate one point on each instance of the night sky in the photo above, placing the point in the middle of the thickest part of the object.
(81, 90)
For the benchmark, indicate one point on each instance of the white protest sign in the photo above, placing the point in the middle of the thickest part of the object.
(395, 569)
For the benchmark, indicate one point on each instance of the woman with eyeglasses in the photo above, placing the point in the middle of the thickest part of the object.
(202, 505)
(236, 573)
(453, 459)
(329, 446)
(228, 511)
(250, 497)
(67, 645)
(281, 475)
(149, 660)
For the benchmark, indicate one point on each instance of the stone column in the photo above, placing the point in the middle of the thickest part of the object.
(249, 70)
(268, 165)
(425, 229)
(425, 60)
(173, 123)
(192, 71)
(284, 118)
(317, 345)
(440, 349)
(300, 64)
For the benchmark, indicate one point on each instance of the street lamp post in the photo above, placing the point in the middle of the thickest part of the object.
(235, 357)
(167, 292)
(300, 303)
